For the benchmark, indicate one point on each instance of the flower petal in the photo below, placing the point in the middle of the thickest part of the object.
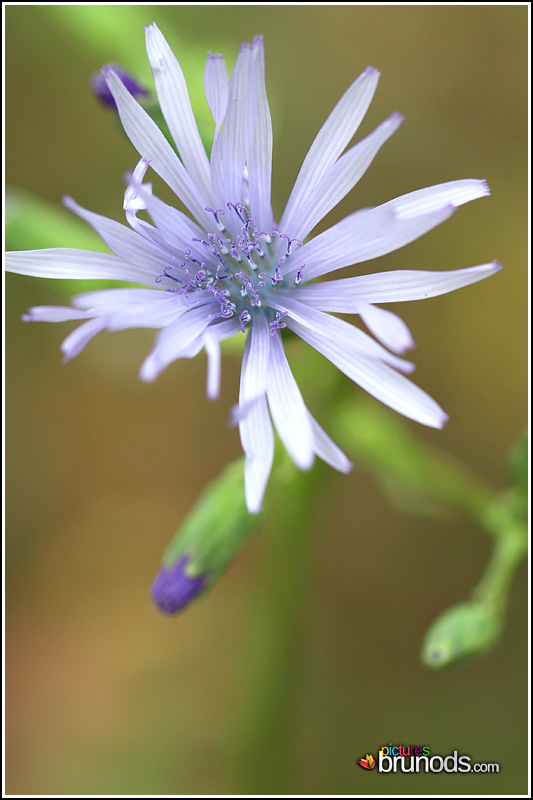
(254, 381)
(377, 378)
(150, 143)
(331, 140)
(80, 336)
(137, 308)
(65, 262)
(176, 107)
(183, 338)
(179, 231)
(216, 88)
(337, 330)
(258, 140)
(228, 156)
(340, 178)
(214, 334)
(287, 407)
(345, 296)
(326, 449)
(212, 349)
(452, 193)
(255, 427)
(389, 328)
(360, 237)
(124, 242)
(257, 441)
(53, 314)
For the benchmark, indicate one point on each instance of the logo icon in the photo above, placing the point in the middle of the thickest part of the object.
(368, 762)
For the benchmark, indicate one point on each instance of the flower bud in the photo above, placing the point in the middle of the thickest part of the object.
(101, 89)
(174, 588)
(463, 631)
(217, 528)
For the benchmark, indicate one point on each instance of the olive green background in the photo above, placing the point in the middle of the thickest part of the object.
(104, 695)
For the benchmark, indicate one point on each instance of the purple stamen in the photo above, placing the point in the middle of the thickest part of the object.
(277, 277)
(276, 325)
(218, 213)
(243, 319)
(298, 278)
(165, 274)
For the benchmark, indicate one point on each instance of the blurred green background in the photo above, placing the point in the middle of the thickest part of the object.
(105, 696)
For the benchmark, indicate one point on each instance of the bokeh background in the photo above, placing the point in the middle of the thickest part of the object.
(105, 696)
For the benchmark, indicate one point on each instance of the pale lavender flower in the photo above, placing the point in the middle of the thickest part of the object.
(230, 269)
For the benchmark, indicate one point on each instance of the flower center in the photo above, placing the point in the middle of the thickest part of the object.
(245, 276)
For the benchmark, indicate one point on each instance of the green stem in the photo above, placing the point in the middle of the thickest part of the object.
(413, 473)
(509, 529)
(276, 643)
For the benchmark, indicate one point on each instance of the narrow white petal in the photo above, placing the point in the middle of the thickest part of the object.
(258, 140)
(183, 338)
(138, 308)
(337, 330)
(124, 242)
(340, 178)
(228, 156)
(255, 378)
(347, 294)
(377, 378)
(215, 333)
(132, 200)
(103, 300)
(331, 140)
(150, 143)
(287, 407)
(176, 106)
(53, 314)
(423, 201)
(65, 262)
(258, 444)
(257, 440)
(80, 336)
(326, 449)
(176, 229)
(212, 349)
(216, 88)
(389, 328)
(362, 236)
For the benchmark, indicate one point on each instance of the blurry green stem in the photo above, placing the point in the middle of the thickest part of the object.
(510, 547)
(276, 646)
(411, 471)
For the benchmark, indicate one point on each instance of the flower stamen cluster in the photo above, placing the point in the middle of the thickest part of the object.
(246, 287)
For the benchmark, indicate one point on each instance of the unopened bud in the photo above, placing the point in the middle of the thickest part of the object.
(174, 588)
(215, 531)
(461, 632)
(101, 89)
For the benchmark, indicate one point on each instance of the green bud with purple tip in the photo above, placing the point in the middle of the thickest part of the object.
(212, 535)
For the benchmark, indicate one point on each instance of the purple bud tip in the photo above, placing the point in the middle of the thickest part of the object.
(173, 588)
(103, 93)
